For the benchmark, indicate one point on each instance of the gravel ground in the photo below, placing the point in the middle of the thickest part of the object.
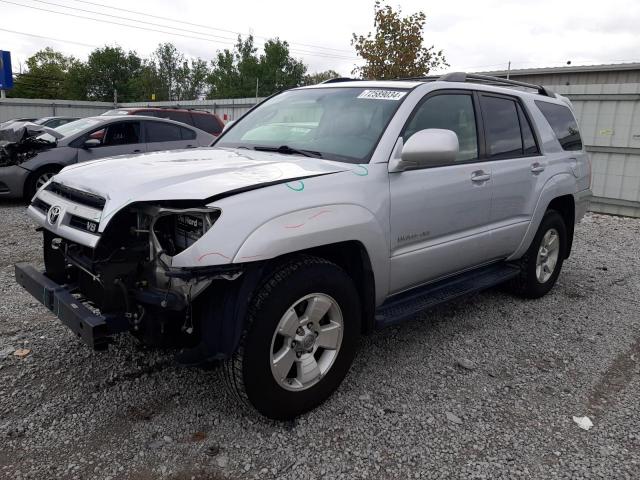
(484, 388)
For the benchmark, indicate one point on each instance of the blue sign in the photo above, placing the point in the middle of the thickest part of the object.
(6, 75)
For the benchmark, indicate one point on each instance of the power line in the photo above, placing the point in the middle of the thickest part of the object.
(201, 25)
(149, 29)
(48, 38)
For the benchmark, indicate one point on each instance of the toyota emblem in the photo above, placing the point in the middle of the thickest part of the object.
(53, 214)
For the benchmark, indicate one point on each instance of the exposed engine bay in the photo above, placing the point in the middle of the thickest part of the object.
(21, 141)
(129, 273)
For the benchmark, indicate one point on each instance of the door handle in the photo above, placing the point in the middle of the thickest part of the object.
(537, 167)
(137, 150)
(480, 176)
(190, 146)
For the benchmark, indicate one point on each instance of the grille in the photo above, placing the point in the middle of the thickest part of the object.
(40, 205)
(83, 224)
(77, 196)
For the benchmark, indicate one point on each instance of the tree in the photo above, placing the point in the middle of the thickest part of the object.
(191, 79)
(319, 77)
(110, 69)
(396, 50)
(236, 73)
(45, 77)
(169, 62)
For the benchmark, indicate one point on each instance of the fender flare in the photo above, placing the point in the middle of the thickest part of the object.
(560, 184)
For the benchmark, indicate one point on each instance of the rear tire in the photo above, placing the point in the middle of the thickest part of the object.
(542, 263)
(299, 340)
(37, 179)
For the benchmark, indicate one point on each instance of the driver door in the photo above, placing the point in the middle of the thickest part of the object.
(117, 138)
(440, 214)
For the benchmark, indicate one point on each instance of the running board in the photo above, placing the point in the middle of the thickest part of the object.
(406, 304)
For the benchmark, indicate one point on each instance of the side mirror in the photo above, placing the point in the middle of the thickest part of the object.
(426, 148)
(91, 143)
(227, 125)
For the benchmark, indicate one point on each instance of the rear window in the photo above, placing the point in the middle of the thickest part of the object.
(563, 124)
(110, 113)
(502, 127)
(163, 132)
(183, 117)
(206, 122)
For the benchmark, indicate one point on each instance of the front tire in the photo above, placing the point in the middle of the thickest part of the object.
(542, 263)
(37, 179)
(300, 338)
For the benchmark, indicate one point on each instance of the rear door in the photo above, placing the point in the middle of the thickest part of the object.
(440, 215)
(168, 136)
(117, 138)
(517, 169)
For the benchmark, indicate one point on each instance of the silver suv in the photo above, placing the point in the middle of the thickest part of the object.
(324, 213)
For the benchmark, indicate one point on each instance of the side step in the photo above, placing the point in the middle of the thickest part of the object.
(406, 304)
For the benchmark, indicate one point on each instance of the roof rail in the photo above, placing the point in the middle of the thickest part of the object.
(340, 79)
(466, 77)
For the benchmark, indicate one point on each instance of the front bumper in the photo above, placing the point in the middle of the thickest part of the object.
(93, 329)
(12, 180)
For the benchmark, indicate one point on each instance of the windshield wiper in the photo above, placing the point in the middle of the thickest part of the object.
(287, 150)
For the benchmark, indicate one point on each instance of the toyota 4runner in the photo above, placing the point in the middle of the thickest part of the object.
(324, 213)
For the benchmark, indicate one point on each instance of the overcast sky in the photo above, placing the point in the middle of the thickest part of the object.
(475, 35)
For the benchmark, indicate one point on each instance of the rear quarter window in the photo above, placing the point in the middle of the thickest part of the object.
(562, 123)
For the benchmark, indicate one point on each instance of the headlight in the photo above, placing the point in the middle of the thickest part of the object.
(176, 230)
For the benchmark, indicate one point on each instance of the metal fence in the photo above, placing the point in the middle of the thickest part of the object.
(608, 114)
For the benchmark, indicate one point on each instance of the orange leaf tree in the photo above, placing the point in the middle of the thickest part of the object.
(396, 49)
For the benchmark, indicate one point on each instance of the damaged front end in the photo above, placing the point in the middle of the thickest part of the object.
(127, 280)
(21, 141)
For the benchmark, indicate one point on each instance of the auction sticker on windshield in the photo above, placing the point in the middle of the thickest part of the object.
(382, 94)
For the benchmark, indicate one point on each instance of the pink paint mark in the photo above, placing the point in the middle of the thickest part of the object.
(212, 253)
(321, 212)
(294, 226)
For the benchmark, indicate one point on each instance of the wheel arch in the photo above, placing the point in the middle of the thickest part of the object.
(566, 207)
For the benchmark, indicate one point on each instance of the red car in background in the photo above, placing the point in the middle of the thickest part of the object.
(202, 119)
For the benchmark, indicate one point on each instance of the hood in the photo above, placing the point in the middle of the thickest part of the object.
(194, 174)
(19, 131)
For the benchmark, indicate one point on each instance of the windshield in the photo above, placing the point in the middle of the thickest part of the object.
(342, 124)
(71, 128)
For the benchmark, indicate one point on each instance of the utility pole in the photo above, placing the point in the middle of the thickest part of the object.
(115, 98)
(508, 69)
(257, 80)
(3, 94)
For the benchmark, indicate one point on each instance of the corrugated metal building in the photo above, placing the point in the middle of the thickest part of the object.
(607, 103)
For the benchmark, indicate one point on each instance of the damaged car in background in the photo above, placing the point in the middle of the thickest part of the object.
(323, 213)
(30, 154)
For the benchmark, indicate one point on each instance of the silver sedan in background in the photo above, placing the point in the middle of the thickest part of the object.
(29, 161)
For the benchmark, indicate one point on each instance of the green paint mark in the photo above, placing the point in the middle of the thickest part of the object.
(363, 172)
(299, 188)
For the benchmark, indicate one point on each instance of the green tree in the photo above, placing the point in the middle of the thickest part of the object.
(45, 76)
(319, 77)
(110, 69)
(191, 79)
(235, 74)
(169, 62)
(396, 49)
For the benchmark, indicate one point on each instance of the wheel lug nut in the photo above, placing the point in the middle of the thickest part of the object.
(309, 325)
(298, 354)
(294, 343)
(300, 331)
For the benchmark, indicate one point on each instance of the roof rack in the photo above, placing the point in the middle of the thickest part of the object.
(341, 79)
(475, 77)
(166, 107)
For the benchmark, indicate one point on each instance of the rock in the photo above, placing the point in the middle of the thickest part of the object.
(465, 364)
(453, 418)
(22, 352)
(584, 423)
(365, 397)
(222, 461)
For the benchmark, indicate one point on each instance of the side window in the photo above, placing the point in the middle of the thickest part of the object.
(183, 117)
(502, 127)
(124, 133)
(563, 124)
(528, 140)
(187, 133)
(452, 112)
(162, 132)
(205, 122)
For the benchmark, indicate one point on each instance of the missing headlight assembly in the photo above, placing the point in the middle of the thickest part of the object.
(130, 271)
